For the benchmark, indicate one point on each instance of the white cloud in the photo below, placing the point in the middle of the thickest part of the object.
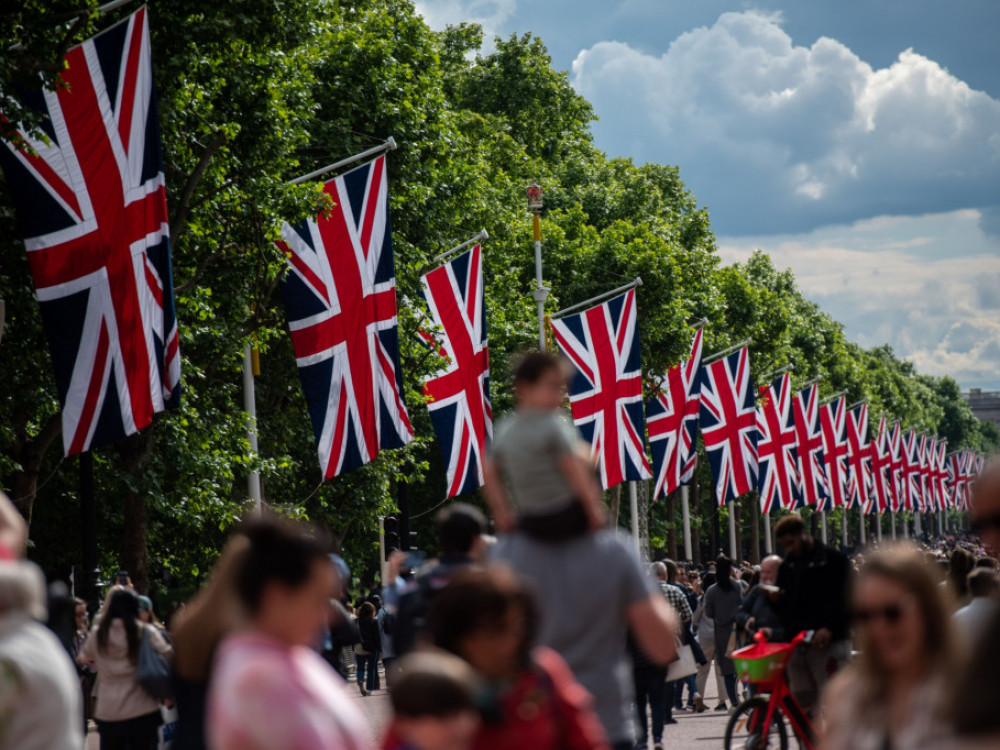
(490, 14)
(929, 286)
(779, 137)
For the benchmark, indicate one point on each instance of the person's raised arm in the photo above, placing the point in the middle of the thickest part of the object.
(655, 626)
(496, 498)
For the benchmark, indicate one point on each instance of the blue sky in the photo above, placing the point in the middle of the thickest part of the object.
(857, 142)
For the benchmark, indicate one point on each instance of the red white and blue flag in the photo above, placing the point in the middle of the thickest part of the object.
(809, 447)
(91, 203)
(881, 460)
(833, 425)
(939, 474)
(859, 476)
(909, 472)
(778, 473)
(895, 472)
(956, 480)
(340, 297)
(672, 423)
(606, 389)
(729, 425)
(925, 497)
(458, 396)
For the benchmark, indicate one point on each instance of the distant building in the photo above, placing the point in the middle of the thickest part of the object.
(985, 404)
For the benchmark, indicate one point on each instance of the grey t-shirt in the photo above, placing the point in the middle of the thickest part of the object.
(527, 447)
(585, 587)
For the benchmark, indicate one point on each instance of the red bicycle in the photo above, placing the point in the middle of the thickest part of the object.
(762, 721)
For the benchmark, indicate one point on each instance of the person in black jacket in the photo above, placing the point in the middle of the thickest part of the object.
(366, 653)
(814, 587)
(756, 613)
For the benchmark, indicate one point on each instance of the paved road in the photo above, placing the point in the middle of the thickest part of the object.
(691, 732)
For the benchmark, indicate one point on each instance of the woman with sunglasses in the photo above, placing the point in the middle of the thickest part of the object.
(894, 697)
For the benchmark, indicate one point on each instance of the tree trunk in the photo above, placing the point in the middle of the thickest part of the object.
(30, 455)
(754, 530)
(135, 452)
(672, 529)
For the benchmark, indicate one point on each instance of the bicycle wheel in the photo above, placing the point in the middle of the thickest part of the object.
(745, 731)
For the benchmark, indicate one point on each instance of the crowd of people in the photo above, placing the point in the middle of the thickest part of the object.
(551, 635)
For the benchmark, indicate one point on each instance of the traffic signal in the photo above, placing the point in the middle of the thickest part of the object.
(391, 531)
(412, 540)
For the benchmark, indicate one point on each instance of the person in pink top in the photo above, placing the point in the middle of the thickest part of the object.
(269, 688)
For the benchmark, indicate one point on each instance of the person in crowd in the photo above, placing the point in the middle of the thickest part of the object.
(756, 613)
(214, 613)
(488, 617)
(13, 531)
(722, 601)
(813, 594)
(433, 704)
(127, 716)
(536, 476)
(960, 564)
(367, 652)
(148, 616)
(895, 694)
(269, 687)
(650, 683)
(973, 620)
(386, 622)
(595, 592)
(461, 532)
(40, 694)
(984, 517)
(667, 578)
(341, 632)
(705, 633)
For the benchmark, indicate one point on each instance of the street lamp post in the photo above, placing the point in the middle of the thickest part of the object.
(541, 292)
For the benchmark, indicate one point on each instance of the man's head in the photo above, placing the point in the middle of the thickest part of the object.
(659, 571)
(985, 513)
(460, 530)
(539, 382)
(672, 571)
(769, 569)
(791, 534)
(983, 582)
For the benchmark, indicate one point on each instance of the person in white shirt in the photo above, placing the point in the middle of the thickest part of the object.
(974, 618)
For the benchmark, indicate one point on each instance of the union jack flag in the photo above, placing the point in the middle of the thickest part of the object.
(940, 474)
(895, 473)
(340, 297)
(778, 475)
(956, 480)
(833, 425)
(859, 480)
(458, 397)
(809, 447)
(92, 207)
(881, 458)
(909, 471)
(729, 425)
(606, 390)
(925, 499)
(672, 423)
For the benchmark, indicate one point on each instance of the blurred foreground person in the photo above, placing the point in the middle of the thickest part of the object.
(434, 704)
(269, 688)
(973, 620)
(895, 695)
(214, 613)
(40, 694)
(488, 617)
(127, 716)
(984, 517)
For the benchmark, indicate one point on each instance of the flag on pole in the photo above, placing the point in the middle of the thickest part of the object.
(340, 298)
(909, 471)
(458, 395)
(729, 424)
(606, 389)
(778, 475)
(833, 425)
(940, 474)
(881, 458)
(859, 477)
(895, 472)
(956, 481)
(925, 498)
(809, 447)
(91, 204)
(672, 423)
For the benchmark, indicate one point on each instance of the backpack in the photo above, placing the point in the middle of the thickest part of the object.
(388, 621)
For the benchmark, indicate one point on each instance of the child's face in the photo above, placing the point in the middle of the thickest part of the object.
(548, 393)
(495, 651)
(454, 732)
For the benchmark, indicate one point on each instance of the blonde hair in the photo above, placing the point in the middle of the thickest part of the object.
(22, 589)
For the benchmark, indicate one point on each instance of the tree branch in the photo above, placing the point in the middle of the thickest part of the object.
(184, 204)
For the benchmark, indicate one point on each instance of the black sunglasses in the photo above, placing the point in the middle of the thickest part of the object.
(986, 523)
(892, 614)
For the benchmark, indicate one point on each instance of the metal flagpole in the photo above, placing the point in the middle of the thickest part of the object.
(822, 525)
(834, 397)
(732, 529)
(843, 524)
(389, 145)
(767, 376)
(878, 526)
(861, 526)
(250, 404)
(686, 516)
(637, 281)
(483, 235)
(940, 520)
(768, 544)
(719, 355)
(633, 504)
(918, 526)
(541, 292)
(893, 518)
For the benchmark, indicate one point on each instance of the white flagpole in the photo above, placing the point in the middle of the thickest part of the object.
(541, 292)
(768, 544)
(843, 525)
(633, 503)
(878, 526)
(918, 526)
(822, 525)
(732, 530)
(250, 404)
(893, 521)
(861, 526)
(686, 517)
(940, 520)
